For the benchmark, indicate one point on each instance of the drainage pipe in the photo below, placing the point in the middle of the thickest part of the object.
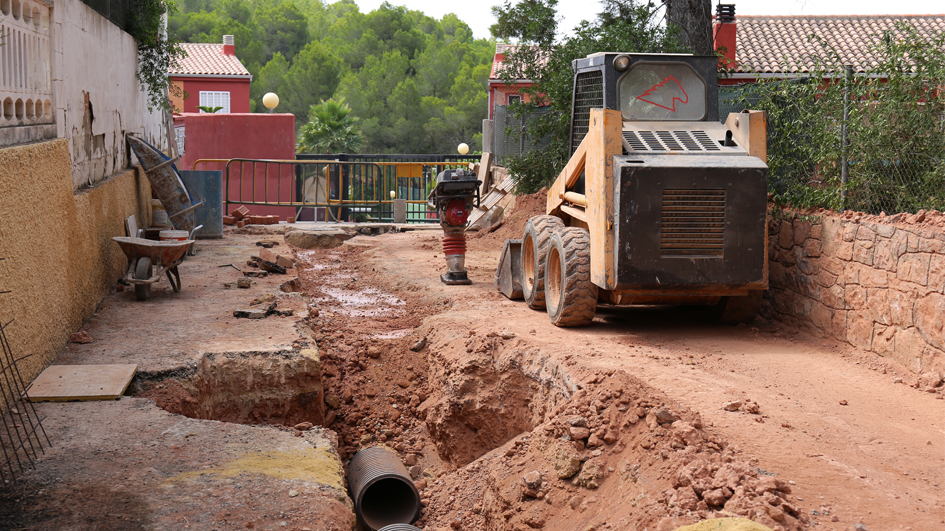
(400, 527)
(382, 490)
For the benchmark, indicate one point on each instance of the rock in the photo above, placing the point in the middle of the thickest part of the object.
(507, 334)
(366, 439)
(715, 497)
(610, 437)
(418, 346)
(303, 426)
(752, 408)
(565, 461)
(265, 299)
(82, 337)
(579, 422)
(685, 498)
(415, 471)
(410, 459)
(272, 267)
(317, 239)
(579, 434)
(665, 416)
(574, 502)
(420, 483)
(930, 379)
(293, 493)
(594, 442)
(534, 521)
(732, 406)
(590, 475)
(250, 314)
(374, 351)
(766, 484)
(843, 402)
(243, 282)
(533, 480)
(333, 401)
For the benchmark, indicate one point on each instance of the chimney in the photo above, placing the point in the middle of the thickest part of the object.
(724, 34)
(228, 47)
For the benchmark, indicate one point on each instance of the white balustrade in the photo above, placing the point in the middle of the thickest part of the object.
(25, 58)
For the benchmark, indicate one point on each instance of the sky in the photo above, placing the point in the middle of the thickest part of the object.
(478, 15)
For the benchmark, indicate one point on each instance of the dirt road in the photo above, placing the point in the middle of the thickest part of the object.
(497, 390)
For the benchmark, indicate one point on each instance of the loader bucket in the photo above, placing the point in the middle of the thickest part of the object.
(508, 277)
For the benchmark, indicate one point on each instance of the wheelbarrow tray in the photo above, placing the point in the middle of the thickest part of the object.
(162, 254)
(166, 183)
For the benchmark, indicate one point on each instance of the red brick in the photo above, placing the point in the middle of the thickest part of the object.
(240, 224)
(240, 213)
(229, 220)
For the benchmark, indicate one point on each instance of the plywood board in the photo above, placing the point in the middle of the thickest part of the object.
(81, 382)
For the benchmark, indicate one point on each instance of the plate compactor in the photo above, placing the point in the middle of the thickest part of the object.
(660, 203)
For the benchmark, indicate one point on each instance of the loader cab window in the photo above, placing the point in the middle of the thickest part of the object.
(652, 91)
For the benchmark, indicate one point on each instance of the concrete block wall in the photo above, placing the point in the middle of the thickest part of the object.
(877, 283)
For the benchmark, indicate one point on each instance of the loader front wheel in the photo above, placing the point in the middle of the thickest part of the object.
(538, 231)
(570, 296)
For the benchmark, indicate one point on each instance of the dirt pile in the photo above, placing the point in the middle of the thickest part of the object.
(513, 225)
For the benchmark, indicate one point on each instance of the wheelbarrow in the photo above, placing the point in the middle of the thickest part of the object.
(146, 255)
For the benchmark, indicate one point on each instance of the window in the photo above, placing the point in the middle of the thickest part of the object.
(210, 98)
(514, 99)
(662, 91)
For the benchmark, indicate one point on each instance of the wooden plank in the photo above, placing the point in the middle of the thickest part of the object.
(81, 382)
(485, 167)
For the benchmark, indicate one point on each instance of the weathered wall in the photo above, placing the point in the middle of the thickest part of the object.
(60, 260)
(246, 136)
(876, 283)
(96, 97)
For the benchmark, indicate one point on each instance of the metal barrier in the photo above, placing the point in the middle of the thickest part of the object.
(332, 190)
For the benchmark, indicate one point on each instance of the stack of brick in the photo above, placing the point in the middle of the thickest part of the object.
(876, 284)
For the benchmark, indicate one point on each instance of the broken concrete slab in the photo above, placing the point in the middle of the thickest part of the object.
(318, 239)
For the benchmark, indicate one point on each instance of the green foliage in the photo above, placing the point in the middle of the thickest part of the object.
(527, 20)
(209, 109)
(894, 129)
(624, 26)
(156, 52)
(330, 129)
(415, 84)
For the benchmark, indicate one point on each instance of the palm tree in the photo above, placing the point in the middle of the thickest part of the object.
(330, 130)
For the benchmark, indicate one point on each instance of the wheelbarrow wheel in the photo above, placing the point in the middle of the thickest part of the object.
(143, 272)
(174, 277)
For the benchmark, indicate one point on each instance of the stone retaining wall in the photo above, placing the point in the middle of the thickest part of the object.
(876, 283)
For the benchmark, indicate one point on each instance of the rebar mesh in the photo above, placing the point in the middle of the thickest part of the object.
(21, 433)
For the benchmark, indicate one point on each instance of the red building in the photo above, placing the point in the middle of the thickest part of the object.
(211, 76)
(499, 92)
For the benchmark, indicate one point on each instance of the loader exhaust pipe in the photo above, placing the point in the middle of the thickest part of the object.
(382, 490)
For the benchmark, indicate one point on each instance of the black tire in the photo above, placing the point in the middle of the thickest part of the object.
(570, 296)
(737, 309)
(143, 272)
(535, 240)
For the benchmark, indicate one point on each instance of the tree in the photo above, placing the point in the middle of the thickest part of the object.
(330, 129)
(622, 26)
(694, 20)
(528, 20)
(283, 27)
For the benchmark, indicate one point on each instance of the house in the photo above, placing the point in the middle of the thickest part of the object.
(211, 76)
(759, 47)
(499, 92)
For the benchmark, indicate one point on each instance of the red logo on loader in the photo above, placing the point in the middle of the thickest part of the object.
(665, 94)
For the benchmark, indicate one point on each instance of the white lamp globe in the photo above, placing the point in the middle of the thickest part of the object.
(270, 101)
(462, 149)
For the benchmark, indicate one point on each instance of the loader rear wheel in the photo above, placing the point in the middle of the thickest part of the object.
(535, 240)
(737, 309)
(570, 296)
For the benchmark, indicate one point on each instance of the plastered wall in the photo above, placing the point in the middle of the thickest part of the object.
(875, 283)
(60, 261)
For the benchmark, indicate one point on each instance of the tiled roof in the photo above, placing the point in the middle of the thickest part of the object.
(502, 50)
(766, 44)
(208, 59)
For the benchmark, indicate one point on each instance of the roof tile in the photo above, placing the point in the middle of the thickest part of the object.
(208, 59)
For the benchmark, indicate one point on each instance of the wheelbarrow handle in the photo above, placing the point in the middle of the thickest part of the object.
(188, 209)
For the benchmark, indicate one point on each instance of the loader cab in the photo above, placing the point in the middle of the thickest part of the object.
(644, 88)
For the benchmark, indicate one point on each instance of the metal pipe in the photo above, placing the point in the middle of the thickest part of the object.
(400, 527)
(574, 197)
(382, 490)
(845, 163)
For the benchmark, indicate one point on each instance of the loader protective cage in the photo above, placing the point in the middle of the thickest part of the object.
(597, 83)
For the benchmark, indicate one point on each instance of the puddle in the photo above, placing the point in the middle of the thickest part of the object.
(363, 303)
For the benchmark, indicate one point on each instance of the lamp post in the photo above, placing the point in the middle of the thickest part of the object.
(270, 101)
(462, 149)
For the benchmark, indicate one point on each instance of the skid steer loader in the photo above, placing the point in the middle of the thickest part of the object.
(660, 203)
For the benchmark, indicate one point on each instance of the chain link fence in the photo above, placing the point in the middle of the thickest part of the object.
(509, 136)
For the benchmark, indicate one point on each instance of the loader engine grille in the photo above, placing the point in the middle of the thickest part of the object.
(693, 223)
(670, 141)
(588, 94)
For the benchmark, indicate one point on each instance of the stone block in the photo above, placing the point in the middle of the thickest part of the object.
(872, 278)
(786, 236)
(899, 243)
(884, 256)
(929, 318)
(884, 340)
(803, 264)
(937, 273)
(911, 348)
(776, 275)
(317, 239)
(914, 267)
(931, 245)
(884, 230)
(838, 327)
(879, 305)
(783, 301)
(863, 233)
(816, 231)
(831, 265)
(863, 252)
(900, 307)
(821, 316)
(801, 231)
(813, 248)
(848, 233)
(859, 330)
(844, 251)
(856, 297)
(825, 278)
(786, 257)
(834, 297)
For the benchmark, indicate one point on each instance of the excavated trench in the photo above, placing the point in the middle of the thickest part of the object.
(495, 434)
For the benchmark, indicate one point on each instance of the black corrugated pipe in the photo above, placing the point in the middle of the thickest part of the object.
(382, 490)
(400, 527)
